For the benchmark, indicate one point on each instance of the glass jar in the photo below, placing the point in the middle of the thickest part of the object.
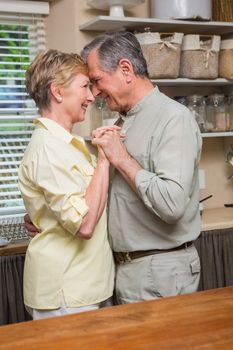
(95, 114)
(101, 114)
(216, 118)
(230, 112)
(181, 99)
(108, 117)
(197, 105)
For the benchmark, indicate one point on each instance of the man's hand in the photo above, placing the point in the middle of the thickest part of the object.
(118, 156)
(110, 142)
(32, 230)
(99, 132)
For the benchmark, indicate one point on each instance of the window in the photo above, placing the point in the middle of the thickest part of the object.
(22, 36)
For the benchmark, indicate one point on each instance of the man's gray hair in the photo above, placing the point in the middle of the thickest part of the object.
(112, 47)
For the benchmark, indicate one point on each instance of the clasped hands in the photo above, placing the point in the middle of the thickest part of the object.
(109, 139)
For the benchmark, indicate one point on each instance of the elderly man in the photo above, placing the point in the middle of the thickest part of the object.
(154, 200)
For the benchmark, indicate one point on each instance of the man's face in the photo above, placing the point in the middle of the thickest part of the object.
(111, 86)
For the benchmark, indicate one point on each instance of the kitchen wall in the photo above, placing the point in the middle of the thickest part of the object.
(63, 34)
(66, 16)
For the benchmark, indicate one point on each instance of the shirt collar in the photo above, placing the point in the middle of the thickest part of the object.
(127, 120)
(64, 135)
(54, 128)
(140, 105)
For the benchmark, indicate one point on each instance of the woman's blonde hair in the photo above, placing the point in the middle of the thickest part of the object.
(52, 66)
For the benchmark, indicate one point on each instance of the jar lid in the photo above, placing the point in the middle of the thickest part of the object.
(194, 98)
(217, 96)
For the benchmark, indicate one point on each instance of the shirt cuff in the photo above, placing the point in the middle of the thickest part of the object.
(75, 215)
(142, 179)
(80, 206)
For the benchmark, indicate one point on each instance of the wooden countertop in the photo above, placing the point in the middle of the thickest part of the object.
(202, 320)
(219, 218)
(14, 248)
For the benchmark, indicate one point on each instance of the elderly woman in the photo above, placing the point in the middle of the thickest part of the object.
(69, 266)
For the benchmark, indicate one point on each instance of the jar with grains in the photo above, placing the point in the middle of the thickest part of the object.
(197, 105)
(217, 119)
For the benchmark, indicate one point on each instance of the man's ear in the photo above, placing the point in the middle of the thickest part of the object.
(126, 68)
(56, 92)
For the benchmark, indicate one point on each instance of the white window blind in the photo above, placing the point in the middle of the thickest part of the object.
(22, 36)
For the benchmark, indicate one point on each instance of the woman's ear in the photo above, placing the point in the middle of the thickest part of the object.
(56, 92)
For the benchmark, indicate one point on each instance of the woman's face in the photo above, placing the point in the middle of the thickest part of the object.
(76, 97)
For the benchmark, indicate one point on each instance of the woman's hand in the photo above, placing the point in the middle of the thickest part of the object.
(101, 155)
(111, 144)
(100, 134)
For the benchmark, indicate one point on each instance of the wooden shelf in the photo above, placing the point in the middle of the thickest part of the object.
(192, 82)
(217, 134)
(107, 23)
